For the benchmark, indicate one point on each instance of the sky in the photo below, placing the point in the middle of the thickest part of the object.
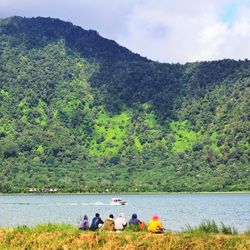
(173, 31)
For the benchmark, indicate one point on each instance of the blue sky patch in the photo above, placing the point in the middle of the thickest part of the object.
(230, 11)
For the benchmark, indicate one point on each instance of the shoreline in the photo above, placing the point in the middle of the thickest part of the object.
(129, 193)
(59, 225)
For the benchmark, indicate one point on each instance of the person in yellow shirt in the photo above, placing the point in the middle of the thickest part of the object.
(155, 225)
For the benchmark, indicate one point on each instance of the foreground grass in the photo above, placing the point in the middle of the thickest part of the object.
(53, 236)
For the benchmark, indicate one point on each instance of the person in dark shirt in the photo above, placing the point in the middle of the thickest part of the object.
(96, 222)
(135, 224)
(134, 220)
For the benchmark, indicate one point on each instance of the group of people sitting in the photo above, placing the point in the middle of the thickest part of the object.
(118, 224)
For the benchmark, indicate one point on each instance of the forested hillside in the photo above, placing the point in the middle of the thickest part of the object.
(82, 114)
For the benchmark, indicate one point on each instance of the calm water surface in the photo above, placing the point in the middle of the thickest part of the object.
(175, 210)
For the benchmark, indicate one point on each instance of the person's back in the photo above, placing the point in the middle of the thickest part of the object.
(109, 224)
(135, 223)
(134, 220)
(96, 221)
(155, 225)
(120, 222)
(84, 224)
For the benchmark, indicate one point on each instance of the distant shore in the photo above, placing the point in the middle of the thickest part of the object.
(127, 193)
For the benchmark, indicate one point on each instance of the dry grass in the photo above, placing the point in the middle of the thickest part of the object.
(68, 238)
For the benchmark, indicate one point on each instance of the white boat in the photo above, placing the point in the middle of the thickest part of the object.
(118, 202)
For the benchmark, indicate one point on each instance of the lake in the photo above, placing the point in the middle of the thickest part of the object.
(175, 210)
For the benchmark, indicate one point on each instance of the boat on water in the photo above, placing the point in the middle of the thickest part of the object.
(118, 202)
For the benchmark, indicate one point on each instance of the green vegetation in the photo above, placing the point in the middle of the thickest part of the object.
(52, 236)
(109, 134)
(79, 113)
(208, 226)
(184, 137)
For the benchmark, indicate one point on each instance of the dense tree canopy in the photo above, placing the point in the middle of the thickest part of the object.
(82, 114)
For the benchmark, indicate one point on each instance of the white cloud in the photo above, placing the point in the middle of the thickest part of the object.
(163, 30)
(210, 40)
(194, 32)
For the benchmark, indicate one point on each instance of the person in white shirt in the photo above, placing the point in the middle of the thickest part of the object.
(120, 222)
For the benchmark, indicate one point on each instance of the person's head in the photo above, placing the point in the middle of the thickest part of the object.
(155, 217)
(111, 216)
(85, 217)
(134, 216)
(97, 215)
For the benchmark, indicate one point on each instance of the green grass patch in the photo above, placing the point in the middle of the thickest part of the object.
(214, 141)
(151, 120)
(184, 136)
(209, 226)
(228, 229)
(109, 133)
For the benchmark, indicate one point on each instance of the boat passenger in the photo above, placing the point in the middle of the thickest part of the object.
(96, 222)
(155, 225)
(120, 222)
(109, 224)
(84, 224)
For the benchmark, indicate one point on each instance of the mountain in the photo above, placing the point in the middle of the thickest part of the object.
(80, 113)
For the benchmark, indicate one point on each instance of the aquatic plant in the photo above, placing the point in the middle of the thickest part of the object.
(228, 229)
(209, 226)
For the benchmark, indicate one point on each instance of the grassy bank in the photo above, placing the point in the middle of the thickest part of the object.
(53, 236)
